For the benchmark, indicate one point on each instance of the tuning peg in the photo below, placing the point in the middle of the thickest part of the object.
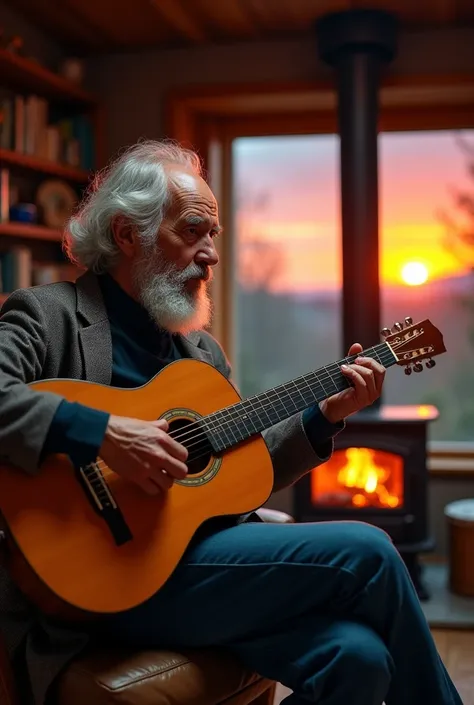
(418, 367)
(408, 320)
(385, 332)
(430, 364)
(397, 326)
(408, 370)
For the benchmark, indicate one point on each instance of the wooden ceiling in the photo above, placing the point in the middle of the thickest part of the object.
(91, 26)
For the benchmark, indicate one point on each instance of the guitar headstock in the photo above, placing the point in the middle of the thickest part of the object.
(412, 342)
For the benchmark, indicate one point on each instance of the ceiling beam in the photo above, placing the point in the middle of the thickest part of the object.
(230, 18)
(57, 21)
(179, 19)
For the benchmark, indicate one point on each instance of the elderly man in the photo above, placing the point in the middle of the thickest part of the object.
(327, 609)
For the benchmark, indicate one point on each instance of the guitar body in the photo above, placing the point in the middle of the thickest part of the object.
(64, 541)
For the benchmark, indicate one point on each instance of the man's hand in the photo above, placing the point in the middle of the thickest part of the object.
(367, 376)
(143, 452)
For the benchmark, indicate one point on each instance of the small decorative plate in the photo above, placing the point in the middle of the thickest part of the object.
(57, 200)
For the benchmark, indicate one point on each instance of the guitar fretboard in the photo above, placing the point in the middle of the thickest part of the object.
(237, 423)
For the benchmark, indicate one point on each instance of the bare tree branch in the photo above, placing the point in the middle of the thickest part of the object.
(261, 262)
(458, 238)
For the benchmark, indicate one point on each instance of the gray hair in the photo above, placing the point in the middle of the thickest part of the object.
(135, 186)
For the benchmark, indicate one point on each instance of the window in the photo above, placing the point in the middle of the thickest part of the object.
(420, 174)
(287, 296)
(287, 293)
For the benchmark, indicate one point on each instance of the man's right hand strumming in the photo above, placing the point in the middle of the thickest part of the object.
(144, 453)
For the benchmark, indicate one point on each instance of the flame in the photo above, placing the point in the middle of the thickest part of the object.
(360, 477)
(362, 472)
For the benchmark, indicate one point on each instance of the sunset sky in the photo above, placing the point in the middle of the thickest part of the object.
(300, 177)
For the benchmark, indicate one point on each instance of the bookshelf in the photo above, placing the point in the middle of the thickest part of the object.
(59, 126)
(30, 232)
(28, 162)
(25, 75)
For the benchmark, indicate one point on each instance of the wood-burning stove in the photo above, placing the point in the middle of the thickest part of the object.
(378, 474)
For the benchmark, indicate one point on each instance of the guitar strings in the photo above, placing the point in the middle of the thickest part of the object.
(100, 464)
(384, 357)
(263, 406)
(211, 425)
(189, 431)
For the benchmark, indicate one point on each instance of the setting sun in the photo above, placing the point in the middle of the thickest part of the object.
(414, 273)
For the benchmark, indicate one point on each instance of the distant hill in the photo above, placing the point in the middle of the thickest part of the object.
(460, 285)
(463, 285)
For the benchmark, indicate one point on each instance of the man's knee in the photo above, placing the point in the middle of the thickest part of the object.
(373, 547)
(367, 531)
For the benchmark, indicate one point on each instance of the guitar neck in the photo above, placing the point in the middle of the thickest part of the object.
(241, 421)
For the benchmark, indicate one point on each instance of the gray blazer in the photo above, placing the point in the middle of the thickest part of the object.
(61, 331)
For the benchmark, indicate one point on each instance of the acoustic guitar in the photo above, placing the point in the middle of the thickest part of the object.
(98, 543)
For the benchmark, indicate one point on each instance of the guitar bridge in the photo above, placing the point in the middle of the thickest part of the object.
(103, 502)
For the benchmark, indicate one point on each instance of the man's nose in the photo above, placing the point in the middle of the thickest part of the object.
(207, 254)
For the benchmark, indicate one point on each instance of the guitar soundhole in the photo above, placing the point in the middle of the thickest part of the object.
(187, 432)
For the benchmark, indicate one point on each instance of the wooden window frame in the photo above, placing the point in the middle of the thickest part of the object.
(406, 103)
(208, 118)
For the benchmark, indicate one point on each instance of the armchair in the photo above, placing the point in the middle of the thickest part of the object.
(154, 677)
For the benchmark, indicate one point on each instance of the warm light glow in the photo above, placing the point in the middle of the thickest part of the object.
(362, 471)
(414, 273)
(359, 477)
(424, 411)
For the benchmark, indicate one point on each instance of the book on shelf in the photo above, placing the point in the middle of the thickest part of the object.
(28, 126)
(18, 270)
(5, 195)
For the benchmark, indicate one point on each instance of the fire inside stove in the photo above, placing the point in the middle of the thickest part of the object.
(359, 477)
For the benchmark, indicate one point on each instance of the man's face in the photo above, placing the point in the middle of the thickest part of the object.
(172, 275)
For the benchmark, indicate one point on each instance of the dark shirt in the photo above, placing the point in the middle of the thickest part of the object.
(139, 351)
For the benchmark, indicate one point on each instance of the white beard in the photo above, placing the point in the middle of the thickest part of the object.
(161, 289)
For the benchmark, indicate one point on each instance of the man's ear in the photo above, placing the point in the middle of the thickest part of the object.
(124, 235)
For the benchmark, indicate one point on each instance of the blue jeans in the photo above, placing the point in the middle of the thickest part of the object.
(327, 609)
